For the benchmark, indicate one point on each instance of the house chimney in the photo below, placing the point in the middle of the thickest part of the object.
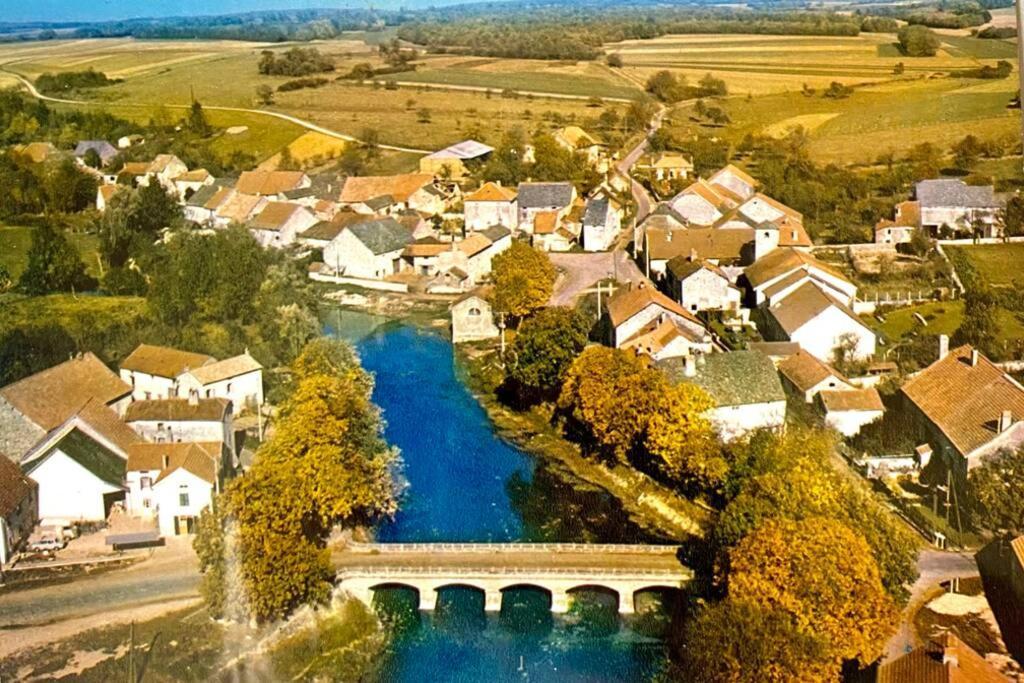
(690, 367)
(693, 254)
(949, 658)
(974, 358)
(1005, 421)
(943, 346)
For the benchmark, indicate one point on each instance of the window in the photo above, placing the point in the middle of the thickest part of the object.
(474, 312)
(228, 388)
(145, 483)
(183, 496)
(145, 503)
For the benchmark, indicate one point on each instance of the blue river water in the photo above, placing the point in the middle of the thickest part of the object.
(466, 484)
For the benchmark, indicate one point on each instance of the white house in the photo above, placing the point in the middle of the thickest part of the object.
(666, 166)
(203, 205)
(540, 198)
(279, 224)
(237, 208)
(417, 191)
(700, 285)
(848, 411)
(173, 482)
(601, 224)
(743, 384)
(153, 371)
(777, 275)
(638, 310)
(807, 376)
(183, 419)
(187, 184)
(820, 323)
(238, 379)
(371, 249)
(491, 205)
(953, 204)
(473, 317)
(900, 230)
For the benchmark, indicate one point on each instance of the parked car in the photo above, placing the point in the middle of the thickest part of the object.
(47, 544)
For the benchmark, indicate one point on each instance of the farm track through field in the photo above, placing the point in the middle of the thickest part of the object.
(498, 91)
(308, 125)
(867, 71)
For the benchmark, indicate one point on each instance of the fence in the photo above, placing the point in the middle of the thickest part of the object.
(869, 304)
(381, 285)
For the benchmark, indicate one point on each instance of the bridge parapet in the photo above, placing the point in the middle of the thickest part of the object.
(576, 548)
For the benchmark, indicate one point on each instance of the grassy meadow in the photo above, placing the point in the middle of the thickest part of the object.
(16, 240)
(998, 265)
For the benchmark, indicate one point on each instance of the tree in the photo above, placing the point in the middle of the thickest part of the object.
(6, 281)
(918, 41)
(680, 436)
(738, 641)
(265, 94)
(1013, 216)
(899, 69)
(133, 221)
(967, 151)
(423, 115)
(68, 189)
(610, 395)
(666, 87)
(54, 264)
(196, 121)
(822, 575)
(709, 86)
(980, 325)
(995, 493)
(523, 280)
(614, 60)
(544, 348)
(92, 158)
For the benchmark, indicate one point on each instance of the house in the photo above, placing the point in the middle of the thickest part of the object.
(640, 309)
(660, 245)
(165, 168)
(271, 183)
(777, 351)
(450, 162)
(666, 166)
(153, 371)
(774, 277)
(416, 191)
(421, 256)
(665, 338)
(806, 375)
(34, 406)
(579, 141)
(967, 405)
(174, 482)
(104, 149)
(847, 411)
(701, 285)
(203, 205)
(820, 323)
(958, 207)
(491, 205)
(552, 231)
(473, 317)
(369, 249)
(475, 254)
(701, 204)
(743, 384)
(183, 419)
(543, 198)
(237, 208)
(126, 141)
(278, 224)
(105, 193)
(238, 379)
(901, 229)
(190, 182)
(945, 659)
(734, 180)
(601, 224)
(19, 508)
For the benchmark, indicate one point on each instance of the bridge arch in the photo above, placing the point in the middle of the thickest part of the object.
(375, 589)
(661, 589)
(599, 589)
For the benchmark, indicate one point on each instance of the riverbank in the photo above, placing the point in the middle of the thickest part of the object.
(652, 506)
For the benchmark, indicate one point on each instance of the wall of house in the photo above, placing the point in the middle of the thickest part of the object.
(894, 235)
(633, 325)
(821, 335)
(951, 215)
(16, 527)
(849, 422)
(426, 202)
(350, 257)
(186, 431)
(145, 386)
(139, 495)
(69, 491)
(472, 320)
(706, 291)
(482, 215)
(166, 495)
(601, 237)
(244, 391)
(732, 422)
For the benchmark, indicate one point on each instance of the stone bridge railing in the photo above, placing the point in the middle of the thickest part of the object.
(576, 548)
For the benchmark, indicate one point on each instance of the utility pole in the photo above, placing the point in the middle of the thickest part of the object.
(1019, 4)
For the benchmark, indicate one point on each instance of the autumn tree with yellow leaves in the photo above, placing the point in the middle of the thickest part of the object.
(524, 279)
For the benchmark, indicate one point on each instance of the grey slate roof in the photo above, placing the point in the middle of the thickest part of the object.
(382, 236)
(955, 193)
(106, 150)
(381, 202)
(597, 211)
(495, 232)
(541, 195)
(203, 195)
(735, 378)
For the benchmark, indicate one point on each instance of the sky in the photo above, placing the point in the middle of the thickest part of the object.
(105, 10)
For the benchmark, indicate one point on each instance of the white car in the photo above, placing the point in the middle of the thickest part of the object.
(47, 544)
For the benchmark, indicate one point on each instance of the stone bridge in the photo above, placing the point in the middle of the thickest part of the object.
(559, 569)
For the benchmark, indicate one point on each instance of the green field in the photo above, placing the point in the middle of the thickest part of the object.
(533, 81)
(943, 318)
(999, 265)
(15, 242)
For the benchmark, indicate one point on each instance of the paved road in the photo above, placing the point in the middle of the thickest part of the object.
(935, 567)
(165, 577)
(580, 272)
(640, 194)
(308, 125)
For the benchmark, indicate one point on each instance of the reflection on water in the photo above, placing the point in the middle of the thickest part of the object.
(466, 484)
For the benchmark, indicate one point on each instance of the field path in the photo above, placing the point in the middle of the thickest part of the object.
(308, 125)
(497, 91)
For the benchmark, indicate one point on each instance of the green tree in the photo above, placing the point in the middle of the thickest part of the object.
(68, 188)
(6, 281)
(197, 122)
(967, 151)
(980, 325)
(683, 441)
(133, 221)
(265, 95)
(709, 86)
(523, 280)
(1013, 216)
(54, 264)
(544, 348)
(995, 493)
(822, 574)
(738, 641)
(918, 41)
(92, 158)
(614, 60)
(666, 87)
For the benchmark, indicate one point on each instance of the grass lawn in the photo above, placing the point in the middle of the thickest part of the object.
(535, 81)
(79, 314)
(16, 240)
(943, 317)
(1000, 265)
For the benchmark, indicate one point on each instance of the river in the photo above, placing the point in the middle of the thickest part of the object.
(466, 484)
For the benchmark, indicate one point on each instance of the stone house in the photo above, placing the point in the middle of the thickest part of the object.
(743, 384)
(602, 224)
(104, 149)
(543, 198)
(416, 191)
(278, 224)
(806, 375)
(370, 249)
(641, 309)
(174, 482)
(662, 244)
(900, 230)
(237, 208)
(473, 317)
(774, 277)
(187, 184)
(944, 659)
(820, 323)
(957, 206)
(666, 166)
(153, 371)
(849, 410)
(190, 419)
(238, 379)
(271, 183)
(104, 194)
(491, 205)
(19, 508)
(552, 231)
(968, 407)
(579, 141)
(201, 208)
(700, 285)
